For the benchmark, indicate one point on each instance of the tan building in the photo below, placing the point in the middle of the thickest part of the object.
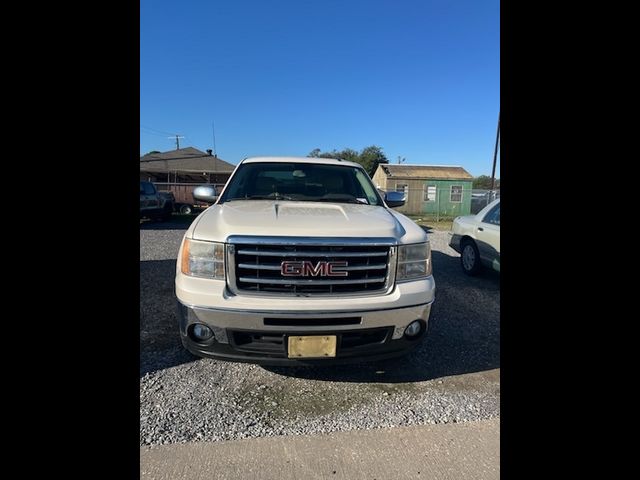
(429, 189)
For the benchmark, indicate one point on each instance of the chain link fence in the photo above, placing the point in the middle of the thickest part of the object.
(482, 198)
(436, 203)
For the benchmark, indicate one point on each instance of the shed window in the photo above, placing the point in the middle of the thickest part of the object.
(429, 193)
(456, 193)
(402, 188)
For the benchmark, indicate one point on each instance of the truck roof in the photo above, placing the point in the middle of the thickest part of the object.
(323, 161)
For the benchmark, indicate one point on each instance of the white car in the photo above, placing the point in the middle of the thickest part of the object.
(477, 239)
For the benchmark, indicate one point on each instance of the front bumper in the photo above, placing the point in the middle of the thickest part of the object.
(454, 241)
(261, 336)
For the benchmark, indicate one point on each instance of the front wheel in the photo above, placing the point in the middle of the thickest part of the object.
(470, 258)
(186, 209)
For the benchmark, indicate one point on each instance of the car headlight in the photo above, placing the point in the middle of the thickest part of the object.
(202, 259)
(414, 261)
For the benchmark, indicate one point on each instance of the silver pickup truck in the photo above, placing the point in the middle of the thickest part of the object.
(302, 261)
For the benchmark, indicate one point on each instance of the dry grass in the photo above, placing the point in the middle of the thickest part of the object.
(444, 224)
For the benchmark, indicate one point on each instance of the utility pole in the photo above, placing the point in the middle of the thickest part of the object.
(495, 155)
(178, 137)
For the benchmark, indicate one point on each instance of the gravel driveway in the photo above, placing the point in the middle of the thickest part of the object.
(453, 376)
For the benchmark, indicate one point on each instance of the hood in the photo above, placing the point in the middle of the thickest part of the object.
(300, 219)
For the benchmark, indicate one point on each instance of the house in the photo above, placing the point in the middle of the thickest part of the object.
(186, 165)
(443, 190)
(180, 171)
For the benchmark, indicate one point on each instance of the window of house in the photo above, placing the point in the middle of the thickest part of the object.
(429, 193)
(456, 193)
(403, 188)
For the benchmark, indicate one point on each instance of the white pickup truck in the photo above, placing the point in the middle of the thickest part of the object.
(302, 261)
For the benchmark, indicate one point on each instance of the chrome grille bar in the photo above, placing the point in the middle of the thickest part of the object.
(291, 253)
(312, 281)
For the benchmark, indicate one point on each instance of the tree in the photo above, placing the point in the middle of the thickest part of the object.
(369, 157)
(483, 182)
(152, 152)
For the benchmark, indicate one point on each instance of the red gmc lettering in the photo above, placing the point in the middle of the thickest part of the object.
(308, 269)
(332, 272)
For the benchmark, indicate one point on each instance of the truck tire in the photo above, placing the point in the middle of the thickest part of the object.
(186, 209)
(470, 258)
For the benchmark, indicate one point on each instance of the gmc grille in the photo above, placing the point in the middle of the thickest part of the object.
(257, 269)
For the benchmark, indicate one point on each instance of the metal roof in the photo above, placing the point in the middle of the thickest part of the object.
(184, 160)
(435, 172)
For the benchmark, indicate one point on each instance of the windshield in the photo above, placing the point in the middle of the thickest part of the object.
(306, 182)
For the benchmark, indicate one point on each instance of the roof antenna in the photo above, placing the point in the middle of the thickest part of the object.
(178, 137)
(213, 129)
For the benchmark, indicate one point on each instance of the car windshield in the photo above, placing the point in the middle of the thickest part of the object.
(307, 182)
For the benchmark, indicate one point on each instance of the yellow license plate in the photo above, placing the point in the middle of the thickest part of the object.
(317, 346)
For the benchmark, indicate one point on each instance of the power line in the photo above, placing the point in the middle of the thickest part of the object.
(153, 158)
(152, 133)
(160, 133)
(157, 131)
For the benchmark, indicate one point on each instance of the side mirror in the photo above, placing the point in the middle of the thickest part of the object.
(205, 193)
(394, 199)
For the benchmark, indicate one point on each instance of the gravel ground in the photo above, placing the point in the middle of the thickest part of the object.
(453, 376)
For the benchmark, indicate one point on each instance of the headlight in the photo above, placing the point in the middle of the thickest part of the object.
(203, 259)
(414, 261)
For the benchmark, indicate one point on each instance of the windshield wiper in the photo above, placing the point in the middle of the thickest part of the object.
(342, 200)
(277, 196)
(273, 196)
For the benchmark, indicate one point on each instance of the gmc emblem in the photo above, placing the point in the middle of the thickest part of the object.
(308, 269)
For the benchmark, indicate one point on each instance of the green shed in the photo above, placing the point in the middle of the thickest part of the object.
(443, 190)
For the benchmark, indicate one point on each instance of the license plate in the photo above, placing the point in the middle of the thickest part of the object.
(317, 346)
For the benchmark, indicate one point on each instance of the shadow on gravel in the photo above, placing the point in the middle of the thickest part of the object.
(160, 345)
(177, 222)
(463, 335)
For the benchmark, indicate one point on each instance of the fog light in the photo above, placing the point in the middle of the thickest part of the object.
(202, 332)
(413, 329)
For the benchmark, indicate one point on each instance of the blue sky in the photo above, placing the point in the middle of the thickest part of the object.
(281, 77)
